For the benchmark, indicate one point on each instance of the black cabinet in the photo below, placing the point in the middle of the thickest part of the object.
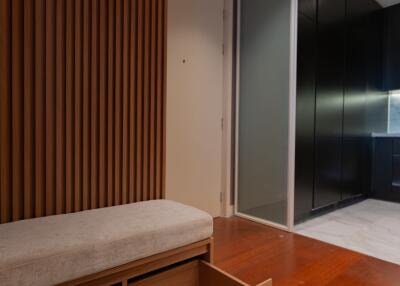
(340, 100)
(329, 102)
(396, 146)
(377, 98)
(385, 177)
(362, 76)
(308, 8)
(355, 86)
(392, 47)
(306, 72)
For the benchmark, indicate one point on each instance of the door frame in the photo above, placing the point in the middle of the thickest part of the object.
(291, 128)
(228, 124)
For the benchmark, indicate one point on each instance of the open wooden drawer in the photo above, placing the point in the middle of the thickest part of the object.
(193, 273)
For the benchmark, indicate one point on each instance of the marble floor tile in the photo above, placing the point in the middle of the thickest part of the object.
(371, 227)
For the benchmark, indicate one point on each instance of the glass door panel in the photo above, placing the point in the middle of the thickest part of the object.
(264, 75)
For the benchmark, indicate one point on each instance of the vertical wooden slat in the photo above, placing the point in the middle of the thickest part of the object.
(132, 95)
(139, 104)
(70, 84)
(40, 131)
(86, 105)
(153, 74)
(146, 105)
(103, 104)
(17, 110)
(125, 103)
(159, 106)
(28, 111)
(78, 106)
(164, 91)
(5, 106)
(60, 106)
(118, 97)
(50, 107)
(159, 102)
(111, 84)
(94, 106)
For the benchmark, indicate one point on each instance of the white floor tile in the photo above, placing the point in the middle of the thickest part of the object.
(371, 227)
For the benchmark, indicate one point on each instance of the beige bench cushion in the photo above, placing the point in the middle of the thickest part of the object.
(56, 249)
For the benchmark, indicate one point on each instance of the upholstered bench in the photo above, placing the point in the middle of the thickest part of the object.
(122, 245)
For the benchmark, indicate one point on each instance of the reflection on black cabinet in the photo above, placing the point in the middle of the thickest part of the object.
(329, 102)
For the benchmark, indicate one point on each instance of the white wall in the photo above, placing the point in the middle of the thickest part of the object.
(194, 103)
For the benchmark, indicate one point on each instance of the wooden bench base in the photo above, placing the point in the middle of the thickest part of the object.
(185, 266)
(192, 273)
(122, 274)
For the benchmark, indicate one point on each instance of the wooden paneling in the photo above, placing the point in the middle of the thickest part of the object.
(60, 107)
(103, 103)
(82, 99)
(28, 107)
(69, 104)
(5, 108)
(139, 100)
(110, 115)
(17, 107)
(78, 106)
(39, 116)
(50, 106)
(94, 197)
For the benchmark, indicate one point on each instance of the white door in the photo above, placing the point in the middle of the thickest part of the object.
(194, 103)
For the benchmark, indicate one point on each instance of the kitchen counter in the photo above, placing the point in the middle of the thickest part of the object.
(385, 135)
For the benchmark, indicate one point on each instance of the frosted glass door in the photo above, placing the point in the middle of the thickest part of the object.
(263, 112)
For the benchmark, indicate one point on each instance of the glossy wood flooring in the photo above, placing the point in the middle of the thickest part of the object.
(253, 253)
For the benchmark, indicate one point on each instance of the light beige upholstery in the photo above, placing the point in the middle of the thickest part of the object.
(55, 249)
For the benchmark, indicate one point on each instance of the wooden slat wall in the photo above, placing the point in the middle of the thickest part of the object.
(82, 105)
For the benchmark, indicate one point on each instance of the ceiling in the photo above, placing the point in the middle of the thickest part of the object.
(387, 3)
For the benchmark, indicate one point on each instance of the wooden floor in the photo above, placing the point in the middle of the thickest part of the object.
(253, 253)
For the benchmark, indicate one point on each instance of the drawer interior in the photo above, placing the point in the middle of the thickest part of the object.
(192, 273)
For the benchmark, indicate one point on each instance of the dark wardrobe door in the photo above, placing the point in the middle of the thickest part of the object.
(392, 46)
(363, 80)
(329, 101)
(306, 67)
(354, 114)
